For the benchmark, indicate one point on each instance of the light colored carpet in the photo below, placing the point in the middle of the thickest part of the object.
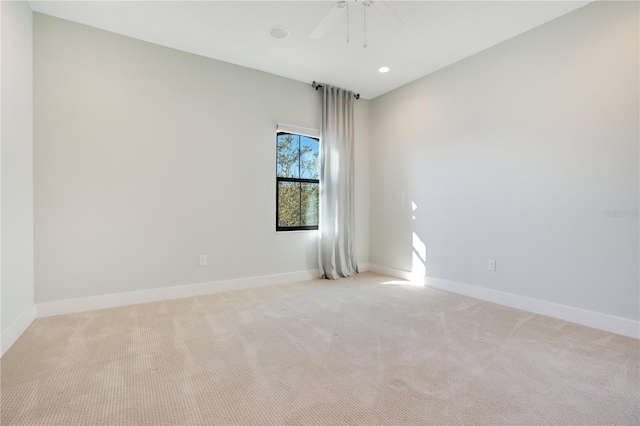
(353, 351)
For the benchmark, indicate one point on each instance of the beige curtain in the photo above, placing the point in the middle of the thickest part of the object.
(337, 220)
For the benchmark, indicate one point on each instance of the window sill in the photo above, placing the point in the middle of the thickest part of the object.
(297, 231)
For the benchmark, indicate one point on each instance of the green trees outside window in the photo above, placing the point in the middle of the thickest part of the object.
(298, 186)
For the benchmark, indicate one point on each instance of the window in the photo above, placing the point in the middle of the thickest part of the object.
(297, 183)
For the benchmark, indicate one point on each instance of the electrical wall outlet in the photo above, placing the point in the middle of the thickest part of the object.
(203, 259)
(491, 265)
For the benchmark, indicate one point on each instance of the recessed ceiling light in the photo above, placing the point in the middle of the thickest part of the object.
(384, 69)
(279, 32)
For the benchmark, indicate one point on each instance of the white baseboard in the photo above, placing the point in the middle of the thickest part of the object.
(592, 319)
(391, 272)
(567, 313)
(16, 329)
(70, 306)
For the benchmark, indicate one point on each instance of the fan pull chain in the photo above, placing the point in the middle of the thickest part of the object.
(366, 5)
(347, 21)
(365, 25)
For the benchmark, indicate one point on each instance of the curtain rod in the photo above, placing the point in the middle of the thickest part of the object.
(319, 85)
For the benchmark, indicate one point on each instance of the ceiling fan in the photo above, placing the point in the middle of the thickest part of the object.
(337, 9)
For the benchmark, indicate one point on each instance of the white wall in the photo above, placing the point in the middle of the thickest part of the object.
(16, 165)
(514, 154)
(146, 157)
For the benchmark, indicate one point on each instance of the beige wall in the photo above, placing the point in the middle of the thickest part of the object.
(146, 157)
(16, 166)
(515, 154)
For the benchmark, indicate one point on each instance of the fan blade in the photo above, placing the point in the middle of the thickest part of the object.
(389, 14)
(328, 20)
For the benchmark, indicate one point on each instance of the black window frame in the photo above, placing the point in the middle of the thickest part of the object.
(294, 180)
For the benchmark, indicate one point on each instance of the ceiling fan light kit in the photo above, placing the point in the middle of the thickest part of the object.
(331, 17)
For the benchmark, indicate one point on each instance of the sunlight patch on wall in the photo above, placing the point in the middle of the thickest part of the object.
(418, 253)
(419, 258)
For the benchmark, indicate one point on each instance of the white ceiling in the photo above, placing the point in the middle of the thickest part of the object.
(434, 35)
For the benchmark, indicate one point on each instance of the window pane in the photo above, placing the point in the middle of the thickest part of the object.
(288, 204)
(309, 165)
(309, 203)
(288, 156)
